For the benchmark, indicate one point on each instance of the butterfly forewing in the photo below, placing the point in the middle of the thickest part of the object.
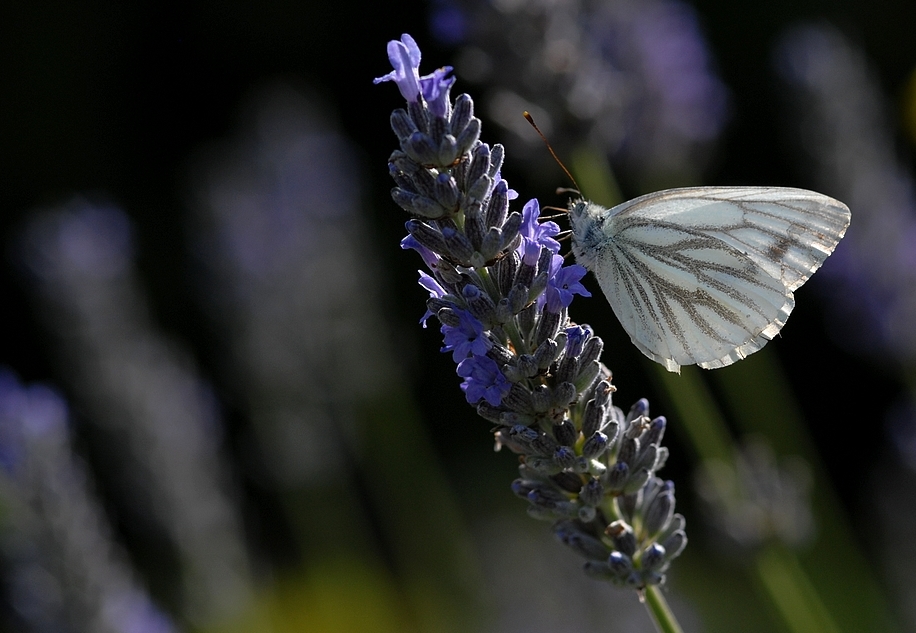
(705, 275)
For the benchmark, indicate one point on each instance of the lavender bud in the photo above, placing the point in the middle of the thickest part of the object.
(503, 312)
(480, 163)
(403, 163)
(447, 316)
(656, 430)
(447, 191)
(418, 115)
(448, 150)
(544, 260)
(421, 148)
(541, 398)
(498, 205)
(447, 271)
(637, 480)
(468, 137)
(521, 487)
(595, 446)
(588, 375)
(518, 298)
(603, 393)
(653, 559)
(623, 537)
(568, 369)
(526, 319)
(548, 325)
(491, 243)
(542, 465)
(586, 545)
(457, 244)
(461, 114)
(511, 418)
(524, 276)
(629, 448)
(592, 492)
(564, 457)
(417, 205)
(647, 458)
(640, 409)
(546, 353)
(593, 418)
(518, 399)
(620, 565)
(500, 354)
(480, 188)
(474, 229)
(616, 478)
(592, 351)
(427, 236)
(401, 178)
(661, 458)
(497, 154)
(489, 412)
(402, 125)
(565, 433)
(538, 285)
(564, 394)
(511, 228)
(568, 481)
(505, 273)
(675, 544)
(527, 365)
(660, 510)
(438, 126)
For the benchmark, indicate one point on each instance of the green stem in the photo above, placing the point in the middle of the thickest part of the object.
(659, 610)
(792, 593)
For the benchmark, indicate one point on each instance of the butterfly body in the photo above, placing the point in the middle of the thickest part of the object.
(706, 275)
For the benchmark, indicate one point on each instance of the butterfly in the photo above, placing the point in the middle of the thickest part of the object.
(706, 275)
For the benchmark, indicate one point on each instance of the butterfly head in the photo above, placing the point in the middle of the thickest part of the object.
(587, 220)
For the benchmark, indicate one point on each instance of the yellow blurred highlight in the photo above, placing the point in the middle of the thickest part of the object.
(909, 107)
(338, 597)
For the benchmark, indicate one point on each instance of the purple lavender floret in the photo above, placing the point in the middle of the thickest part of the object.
(564, 282)
(498, 287)
(404, 56)
(465, 339)
(533, 230)
(435, 88)
(482, 380)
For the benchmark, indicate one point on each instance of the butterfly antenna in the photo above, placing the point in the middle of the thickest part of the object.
(530, 120)
(562, 212)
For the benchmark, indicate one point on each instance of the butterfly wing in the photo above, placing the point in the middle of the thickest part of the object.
(706, 275)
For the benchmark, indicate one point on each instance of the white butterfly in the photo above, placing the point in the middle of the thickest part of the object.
(705, 275)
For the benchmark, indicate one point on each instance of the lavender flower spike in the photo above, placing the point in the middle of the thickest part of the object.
(502, 294)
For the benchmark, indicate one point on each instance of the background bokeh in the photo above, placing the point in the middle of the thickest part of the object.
(244, 426)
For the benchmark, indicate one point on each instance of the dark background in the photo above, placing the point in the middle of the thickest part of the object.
(110, 100)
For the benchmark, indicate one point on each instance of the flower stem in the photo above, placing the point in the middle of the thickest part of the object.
(659, 610)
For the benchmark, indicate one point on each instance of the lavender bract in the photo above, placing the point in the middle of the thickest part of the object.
(501, 292)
